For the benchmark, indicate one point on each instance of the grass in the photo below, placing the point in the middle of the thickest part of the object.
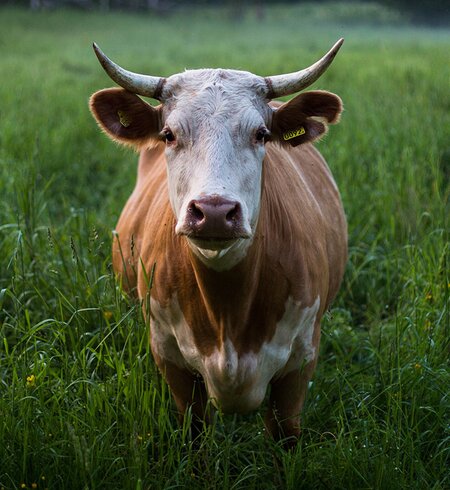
(81, 404)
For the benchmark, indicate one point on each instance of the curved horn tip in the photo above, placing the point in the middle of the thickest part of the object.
(338, 44)
(98, 52)
(105, 62)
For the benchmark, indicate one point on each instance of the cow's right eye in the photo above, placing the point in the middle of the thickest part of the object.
(167, 135)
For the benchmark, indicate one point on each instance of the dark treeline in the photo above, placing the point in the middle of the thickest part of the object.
(430, 11)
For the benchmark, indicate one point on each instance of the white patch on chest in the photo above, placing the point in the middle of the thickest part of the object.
(237, 383)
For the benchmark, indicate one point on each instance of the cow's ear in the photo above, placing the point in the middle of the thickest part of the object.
(125, 117)
(305, 117)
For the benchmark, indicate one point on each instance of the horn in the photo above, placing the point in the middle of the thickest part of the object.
(290, 83)
(145, 85)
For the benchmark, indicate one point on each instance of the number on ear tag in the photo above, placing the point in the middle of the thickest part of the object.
(293, 134)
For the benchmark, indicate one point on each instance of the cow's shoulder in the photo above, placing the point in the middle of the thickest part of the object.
(146, 210)
(302, 219)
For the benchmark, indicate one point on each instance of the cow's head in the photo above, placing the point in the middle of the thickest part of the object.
(214, 124)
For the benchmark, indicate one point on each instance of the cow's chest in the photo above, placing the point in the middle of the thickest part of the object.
(236, 382)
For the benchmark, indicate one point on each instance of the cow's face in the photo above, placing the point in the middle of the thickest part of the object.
(214, 125)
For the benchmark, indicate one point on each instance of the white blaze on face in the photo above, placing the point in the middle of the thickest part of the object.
(215, 117)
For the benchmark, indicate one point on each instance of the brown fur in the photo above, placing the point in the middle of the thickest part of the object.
(299, 252)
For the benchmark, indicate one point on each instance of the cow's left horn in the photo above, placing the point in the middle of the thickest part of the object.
(145, 85)
(290, 83)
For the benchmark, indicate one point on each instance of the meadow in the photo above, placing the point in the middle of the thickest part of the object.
(81, 403)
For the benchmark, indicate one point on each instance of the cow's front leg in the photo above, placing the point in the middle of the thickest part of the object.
(287, 397)
(188, 391)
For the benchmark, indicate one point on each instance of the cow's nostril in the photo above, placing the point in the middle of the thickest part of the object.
(233, 214)
(196, 212)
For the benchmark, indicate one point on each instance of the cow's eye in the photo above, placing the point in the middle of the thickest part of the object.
(167, 135)
(262, 134)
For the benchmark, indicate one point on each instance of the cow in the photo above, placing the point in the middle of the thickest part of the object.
(240, 217)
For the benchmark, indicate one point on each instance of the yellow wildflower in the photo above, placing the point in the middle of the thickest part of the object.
(31, 381)
(107, 315)
(417, 366)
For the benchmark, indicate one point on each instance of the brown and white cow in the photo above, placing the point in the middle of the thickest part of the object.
(244, 222)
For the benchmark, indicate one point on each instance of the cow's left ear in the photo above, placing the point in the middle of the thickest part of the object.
(305, 117)
(125, 117)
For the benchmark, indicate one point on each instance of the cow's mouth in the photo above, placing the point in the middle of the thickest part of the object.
(213, 243)
(218, 252)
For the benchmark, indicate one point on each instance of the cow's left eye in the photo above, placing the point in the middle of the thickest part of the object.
(262, 135)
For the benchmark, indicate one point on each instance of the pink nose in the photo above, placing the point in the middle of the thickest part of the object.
(213, 217)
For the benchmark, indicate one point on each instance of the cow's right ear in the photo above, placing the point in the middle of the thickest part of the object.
(125, 117)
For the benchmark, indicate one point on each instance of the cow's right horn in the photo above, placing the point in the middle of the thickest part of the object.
(145, 85)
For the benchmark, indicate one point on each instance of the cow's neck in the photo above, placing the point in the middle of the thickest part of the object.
(220, 288)
(234, 302)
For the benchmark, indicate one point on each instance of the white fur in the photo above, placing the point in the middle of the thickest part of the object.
(214, 115)
(236, 383)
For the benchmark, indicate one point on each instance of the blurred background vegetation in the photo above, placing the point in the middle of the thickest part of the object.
(417, 11)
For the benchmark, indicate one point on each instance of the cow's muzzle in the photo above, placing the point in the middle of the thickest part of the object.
(215, 220)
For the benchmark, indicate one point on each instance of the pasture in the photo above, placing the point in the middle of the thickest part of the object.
(81, 402)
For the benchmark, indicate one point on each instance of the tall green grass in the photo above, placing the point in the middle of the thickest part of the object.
(81, 402)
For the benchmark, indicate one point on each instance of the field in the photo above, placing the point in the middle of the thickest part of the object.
(81, 402)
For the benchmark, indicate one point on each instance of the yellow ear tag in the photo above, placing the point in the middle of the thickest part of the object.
(293, 134)
(124, 118)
